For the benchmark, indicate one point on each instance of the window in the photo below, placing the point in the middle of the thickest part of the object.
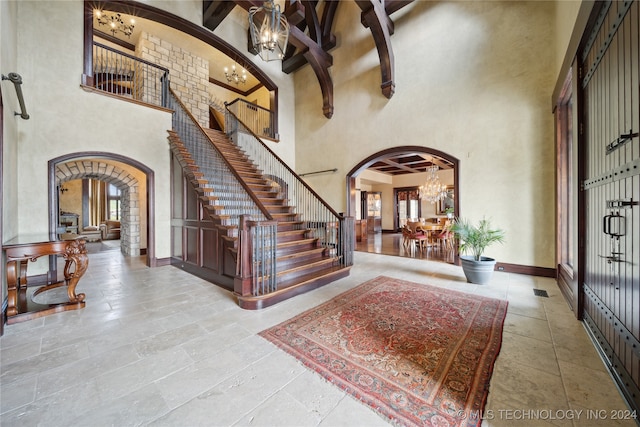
(113, 203)
(565, 179)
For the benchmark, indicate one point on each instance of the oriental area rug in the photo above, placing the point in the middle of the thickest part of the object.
(418, 355)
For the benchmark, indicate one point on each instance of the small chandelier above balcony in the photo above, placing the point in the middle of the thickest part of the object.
(433, 190)
(269, 31)
(115, 23)
(234, 77)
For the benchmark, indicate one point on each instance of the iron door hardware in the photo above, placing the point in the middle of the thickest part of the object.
(614, 225)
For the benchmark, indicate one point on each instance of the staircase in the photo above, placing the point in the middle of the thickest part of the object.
(303, 258)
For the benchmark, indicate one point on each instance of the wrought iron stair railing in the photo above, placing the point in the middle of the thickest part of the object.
(334, 232)
(229, 190)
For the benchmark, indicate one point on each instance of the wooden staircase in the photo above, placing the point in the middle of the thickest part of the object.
(302, 263)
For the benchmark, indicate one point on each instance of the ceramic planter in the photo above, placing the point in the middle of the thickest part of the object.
(478, 272)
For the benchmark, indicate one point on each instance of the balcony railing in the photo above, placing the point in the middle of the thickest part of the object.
(258, 119)
(125, 75)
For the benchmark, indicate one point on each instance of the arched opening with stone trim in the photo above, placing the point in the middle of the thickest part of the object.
(133, 179)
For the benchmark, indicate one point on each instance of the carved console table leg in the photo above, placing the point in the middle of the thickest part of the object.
(76, 255)
(12, 288)
(21, 305)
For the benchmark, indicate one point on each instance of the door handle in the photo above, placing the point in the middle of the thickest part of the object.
(608, 225)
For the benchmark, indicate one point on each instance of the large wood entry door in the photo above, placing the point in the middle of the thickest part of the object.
(611, 189)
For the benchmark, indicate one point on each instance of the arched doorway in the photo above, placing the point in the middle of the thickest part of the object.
(136, 205)
(399, 161)
(394, 152)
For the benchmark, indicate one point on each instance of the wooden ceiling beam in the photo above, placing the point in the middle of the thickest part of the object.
(328, 16)
(320, 62)
(377, 20)
(391, 6)
(214, 12)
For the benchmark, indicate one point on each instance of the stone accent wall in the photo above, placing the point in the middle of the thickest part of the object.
(189, 73)
(129, 188)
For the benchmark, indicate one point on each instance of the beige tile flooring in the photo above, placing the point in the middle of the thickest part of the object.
(163, 348)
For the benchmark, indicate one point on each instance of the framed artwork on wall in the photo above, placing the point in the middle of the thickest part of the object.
(447, 202)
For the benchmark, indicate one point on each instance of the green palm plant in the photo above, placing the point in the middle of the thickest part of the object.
(476, 238)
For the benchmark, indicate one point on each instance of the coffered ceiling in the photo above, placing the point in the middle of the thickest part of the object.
(408, 163)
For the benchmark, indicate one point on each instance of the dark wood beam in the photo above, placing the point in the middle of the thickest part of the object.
(376, 18)
(293, 63)
(391, 6)
(328, 16)
(214, 12)
(374, 4)
(312, 22)
(320, 62)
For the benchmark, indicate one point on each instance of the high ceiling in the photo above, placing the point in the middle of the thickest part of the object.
(311, 41)
(312, 37)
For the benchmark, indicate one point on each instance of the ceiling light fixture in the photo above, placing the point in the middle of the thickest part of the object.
(433, 190)
(234, 77)
(115, 23)
(269, 31)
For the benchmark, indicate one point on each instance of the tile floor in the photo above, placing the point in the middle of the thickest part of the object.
(160, 347)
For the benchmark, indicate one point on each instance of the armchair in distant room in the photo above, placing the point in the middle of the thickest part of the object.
(110, 230)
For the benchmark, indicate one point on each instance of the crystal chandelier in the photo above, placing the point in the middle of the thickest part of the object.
(269, 31)
(433, 190)
(115, 23)
(234, 77)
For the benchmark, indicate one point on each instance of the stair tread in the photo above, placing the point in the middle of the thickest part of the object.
(282, 245)
(300, 280)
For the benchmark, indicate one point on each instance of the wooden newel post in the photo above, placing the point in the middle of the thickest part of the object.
(244, 274)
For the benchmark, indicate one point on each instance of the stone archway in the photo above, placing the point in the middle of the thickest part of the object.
(111, 168)
(124, 181)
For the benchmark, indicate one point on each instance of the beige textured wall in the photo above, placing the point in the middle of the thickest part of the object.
(9, 64)
(473, 79)
(566, 14)
(66, 119)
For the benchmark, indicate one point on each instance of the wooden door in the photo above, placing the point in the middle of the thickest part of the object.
(611, 190)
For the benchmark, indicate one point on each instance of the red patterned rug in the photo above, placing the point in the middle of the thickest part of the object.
(417, 354)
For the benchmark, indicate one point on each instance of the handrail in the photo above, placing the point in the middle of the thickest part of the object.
(249, 191)
(332, 230)
(282, 163)
(121, 74)
(261, 118)
(135, 58)
(16, 79)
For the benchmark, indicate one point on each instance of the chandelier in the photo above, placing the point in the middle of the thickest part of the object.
(115, 23)
(269, 31)
(234, 77)
(433, 190)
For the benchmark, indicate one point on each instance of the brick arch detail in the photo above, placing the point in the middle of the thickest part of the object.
(130, 200)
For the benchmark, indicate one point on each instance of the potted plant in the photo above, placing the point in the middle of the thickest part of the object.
(449, 211)
(475, 239)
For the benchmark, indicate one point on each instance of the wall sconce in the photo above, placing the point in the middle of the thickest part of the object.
(62, 190)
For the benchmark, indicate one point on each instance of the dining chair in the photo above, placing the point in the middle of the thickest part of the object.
(412, 234)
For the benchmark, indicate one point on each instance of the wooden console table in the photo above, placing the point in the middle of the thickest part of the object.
(19, 252)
